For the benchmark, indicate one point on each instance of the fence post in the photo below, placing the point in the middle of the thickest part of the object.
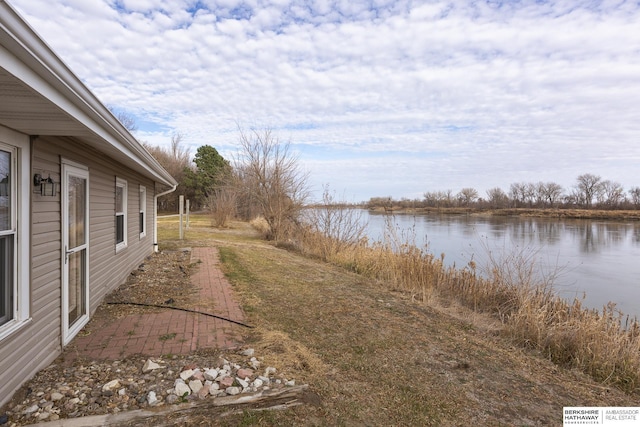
(181, 208)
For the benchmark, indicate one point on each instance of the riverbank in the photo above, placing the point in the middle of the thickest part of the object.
(617, 215)
(372, 353)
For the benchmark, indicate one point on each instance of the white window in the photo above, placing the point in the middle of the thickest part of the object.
(143, 211)
(121, 214)
(14, 231)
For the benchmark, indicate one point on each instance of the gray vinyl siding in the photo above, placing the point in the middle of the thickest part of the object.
(37, 344)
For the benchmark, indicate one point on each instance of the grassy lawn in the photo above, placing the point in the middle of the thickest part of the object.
(372, 356)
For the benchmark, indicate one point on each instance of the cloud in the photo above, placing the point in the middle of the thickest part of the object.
(442, 94)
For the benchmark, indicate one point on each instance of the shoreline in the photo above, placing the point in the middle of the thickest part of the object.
(598, 214)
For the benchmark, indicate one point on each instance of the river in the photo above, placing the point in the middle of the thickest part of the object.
(594, 257)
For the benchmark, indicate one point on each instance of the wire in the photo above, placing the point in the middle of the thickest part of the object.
(182, 309)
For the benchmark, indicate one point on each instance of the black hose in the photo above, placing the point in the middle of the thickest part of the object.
(182, 309)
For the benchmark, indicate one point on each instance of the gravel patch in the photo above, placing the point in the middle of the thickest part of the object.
(99, 387)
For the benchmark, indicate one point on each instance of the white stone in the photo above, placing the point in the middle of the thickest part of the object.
(233, 390)
(122, 392)
(290, 383)
(242, 382)
(151, 398)
(31, 409)
(215, 386)
(195, 385)
(182, 389)
(210, 374)
(248, 352)
(111, 385)
(178, 381)
(55, 396)
(215, 391)
(185, 375)
(149, 366)
(257, 383)
(74, 400)
(269, 371)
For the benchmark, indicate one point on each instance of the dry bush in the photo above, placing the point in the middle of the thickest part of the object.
(260, 225)
(331, 228)
(222, 205)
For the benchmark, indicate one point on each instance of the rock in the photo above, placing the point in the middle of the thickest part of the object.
(55, 396)
(269, 371)
(244, 373)
(4, 418)
(248, 352)
(244, 384)
(122, 392)
(210, 374)
(198, 375)
(111, 385)
(204, 391)
(257, 383)
(150, 366)
(43, 416)
(31, 409)
(186, 374)
(195, 385)
(151, 398)
(290, 383)
(171, 399)
(182, 390)
(226, 382)
(232, 391)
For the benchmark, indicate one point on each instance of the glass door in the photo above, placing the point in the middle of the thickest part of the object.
(75, 250)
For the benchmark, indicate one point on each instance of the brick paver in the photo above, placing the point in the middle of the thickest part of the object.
(167, 331)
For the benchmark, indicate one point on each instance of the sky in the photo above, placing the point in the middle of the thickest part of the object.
(377, 98)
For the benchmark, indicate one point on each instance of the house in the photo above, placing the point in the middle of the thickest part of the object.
(78, 200)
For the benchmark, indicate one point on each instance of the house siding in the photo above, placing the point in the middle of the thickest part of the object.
(37, 344)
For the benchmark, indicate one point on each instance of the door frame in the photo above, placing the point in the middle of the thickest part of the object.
(77, 170)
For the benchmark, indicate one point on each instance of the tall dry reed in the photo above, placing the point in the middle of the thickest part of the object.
(605, 344)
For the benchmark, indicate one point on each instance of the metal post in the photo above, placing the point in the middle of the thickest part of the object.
(181, 207)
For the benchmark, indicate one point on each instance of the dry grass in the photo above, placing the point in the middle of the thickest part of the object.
(372, 356)
(606, 345)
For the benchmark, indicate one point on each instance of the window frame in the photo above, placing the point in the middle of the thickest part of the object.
(121, 183)
(19, 148)
(142, 217)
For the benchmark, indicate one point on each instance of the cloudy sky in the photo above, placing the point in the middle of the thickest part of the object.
(378, 97)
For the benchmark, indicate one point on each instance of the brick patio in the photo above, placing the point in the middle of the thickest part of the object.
(168, 331)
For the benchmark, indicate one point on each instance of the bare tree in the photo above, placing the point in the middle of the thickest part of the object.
(126, 119)
(497, 198)
(518, 193)
(466, 196)
(175, 160)
(611, 193)
(548, 194)
(222, 200)
(272, 179)
(587, 188)
(634, 192)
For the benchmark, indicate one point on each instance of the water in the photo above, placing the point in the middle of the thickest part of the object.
(598, 258)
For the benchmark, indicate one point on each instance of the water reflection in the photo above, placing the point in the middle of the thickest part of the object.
(593, 256)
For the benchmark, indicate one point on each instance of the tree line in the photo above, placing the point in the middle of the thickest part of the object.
(590, 191)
